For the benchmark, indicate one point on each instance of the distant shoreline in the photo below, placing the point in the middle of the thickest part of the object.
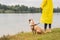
(22, 9)
(22, 13)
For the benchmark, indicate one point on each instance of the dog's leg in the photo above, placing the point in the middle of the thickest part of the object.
(33, 31)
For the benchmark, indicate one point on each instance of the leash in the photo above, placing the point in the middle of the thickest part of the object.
(37, 23)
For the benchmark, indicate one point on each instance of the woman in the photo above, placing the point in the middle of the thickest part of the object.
(47, 13)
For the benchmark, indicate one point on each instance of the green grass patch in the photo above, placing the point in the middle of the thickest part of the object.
(54, 35)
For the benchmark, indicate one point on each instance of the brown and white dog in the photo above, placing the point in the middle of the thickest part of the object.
(35, 29)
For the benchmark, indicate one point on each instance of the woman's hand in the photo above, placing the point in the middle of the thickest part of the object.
(40, 9)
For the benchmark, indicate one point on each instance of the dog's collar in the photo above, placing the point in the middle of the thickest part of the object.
(33, 25)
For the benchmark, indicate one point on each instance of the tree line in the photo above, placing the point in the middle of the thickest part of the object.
(21, 9)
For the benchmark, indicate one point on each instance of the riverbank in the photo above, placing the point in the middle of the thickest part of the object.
(54, 35)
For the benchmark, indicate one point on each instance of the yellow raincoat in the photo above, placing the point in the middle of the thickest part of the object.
(47, 11)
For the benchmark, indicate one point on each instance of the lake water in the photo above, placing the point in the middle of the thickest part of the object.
(14, 23)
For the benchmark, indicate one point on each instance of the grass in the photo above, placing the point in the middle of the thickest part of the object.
(54, 35)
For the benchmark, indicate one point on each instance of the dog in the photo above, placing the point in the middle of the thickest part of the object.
(35, 28)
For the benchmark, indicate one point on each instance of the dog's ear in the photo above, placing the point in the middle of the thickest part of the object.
(29, 20)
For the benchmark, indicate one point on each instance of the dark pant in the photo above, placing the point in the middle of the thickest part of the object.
(45, 26)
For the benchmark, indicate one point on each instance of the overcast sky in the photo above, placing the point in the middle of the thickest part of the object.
(34, 3)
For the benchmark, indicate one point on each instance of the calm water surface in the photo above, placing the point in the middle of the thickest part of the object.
(14, 23)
